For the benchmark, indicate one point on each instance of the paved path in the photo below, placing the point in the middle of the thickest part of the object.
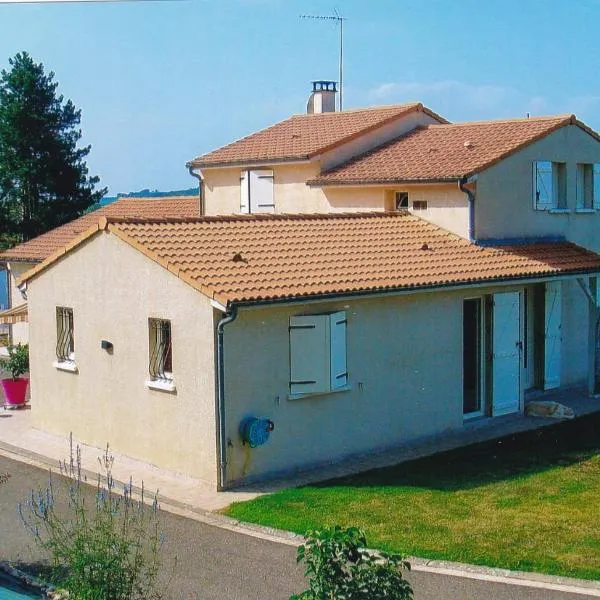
(217, 564)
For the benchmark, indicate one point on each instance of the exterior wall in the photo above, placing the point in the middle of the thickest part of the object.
(504, 199)
(19, 331)
(404, 358)
(113, 290)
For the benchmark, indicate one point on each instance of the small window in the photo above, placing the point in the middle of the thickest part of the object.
(65, 341)
(256, 191)
(401, 200)
(161, 354)
(419, 205)
(585, 186)
(549, 185)
(318, 353)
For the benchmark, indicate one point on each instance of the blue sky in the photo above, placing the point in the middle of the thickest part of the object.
(161, 82)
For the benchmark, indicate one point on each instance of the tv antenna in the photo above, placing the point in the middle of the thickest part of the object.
(339, 20)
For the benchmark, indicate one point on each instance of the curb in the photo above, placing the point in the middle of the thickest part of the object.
(441, 567)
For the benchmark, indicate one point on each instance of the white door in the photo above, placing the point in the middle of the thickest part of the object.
(506, 354)
(552, 335)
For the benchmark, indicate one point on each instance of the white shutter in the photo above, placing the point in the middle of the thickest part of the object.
(552, 334)
(543, 185)
(596, 185)
(244, 192)
(309, 354)
(261, 191)
(339, 373)
(580, 187)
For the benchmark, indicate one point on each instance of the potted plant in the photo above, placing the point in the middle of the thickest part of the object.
(16, 364)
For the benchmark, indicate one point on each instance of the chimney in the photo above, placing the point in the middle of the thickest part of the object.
(322, 98)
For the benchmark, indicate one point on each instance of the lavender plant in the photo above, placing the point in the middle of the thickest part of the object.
(102, 546)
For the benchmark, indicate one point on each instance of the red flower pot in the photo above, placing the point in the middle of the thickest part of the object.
(15, 390)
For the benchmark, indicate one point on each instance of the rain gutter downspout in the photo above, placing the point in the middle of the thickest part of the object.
(471, 196)
(200, 187)
(229, 317)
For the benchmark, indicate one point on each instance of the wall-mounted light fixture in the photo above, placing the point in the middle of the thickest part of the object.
(106, 345)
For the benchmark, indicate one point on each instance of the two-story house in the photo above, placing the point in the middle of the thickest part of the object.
(358, 280)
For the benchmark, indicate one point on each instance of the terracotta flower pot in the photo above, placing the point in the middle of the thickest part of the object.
(15, 390)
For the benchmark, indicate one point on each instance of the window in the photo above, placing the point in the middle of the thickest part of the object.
(419, 205)
(318, 353)
(65, 340)
(160, 364)
(549, 185)
(257, 191)
(401, 200)
(588, 186)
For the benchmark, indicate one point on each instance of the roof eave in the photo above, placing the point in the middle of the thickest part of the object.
(247, 162)
(382, 181)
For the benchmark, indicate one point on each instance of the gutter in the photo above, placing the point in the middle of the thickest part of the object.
(471, 197)
(229, 317)
(200, 188)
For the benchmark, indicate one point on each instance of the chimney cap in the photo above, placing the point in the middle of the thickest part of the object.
(324, 85)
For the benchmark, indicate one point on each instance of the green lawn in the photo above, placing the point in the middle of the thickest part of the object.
(528, 502)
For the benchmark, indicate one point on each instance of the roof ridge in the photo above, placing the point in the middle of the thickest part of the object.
(346, 111)
(560, 117)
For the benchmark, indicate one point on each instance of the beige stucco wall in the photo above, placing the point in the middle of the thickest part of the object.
(19, 331)
(113, 290)
(504, 205)
(404, 358)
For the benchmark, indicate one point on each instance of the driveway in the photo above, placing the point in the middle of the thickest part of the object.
(217, 564)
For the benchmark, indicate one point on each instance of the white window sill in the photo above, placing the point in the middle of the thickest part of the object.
(162, 385)
(66, 365)
(346, 388)
(585, 211)
(559, 211)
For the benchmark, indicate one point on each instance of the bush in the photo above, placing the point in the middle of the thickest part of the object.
(339, 567)
(102, 546)
(17, 362)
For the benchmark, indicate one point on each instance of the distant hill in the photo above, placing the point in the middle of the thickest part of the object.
(149, 194)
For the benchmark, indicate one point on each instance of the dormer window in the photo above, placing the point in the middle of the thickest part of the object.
(256, 191)
(401, 200)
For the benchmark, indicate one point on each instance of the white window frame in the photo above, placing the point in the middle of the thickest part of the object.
(401, 200)
(318, 354)
(160, 355)
(257, 191)
(65, 340)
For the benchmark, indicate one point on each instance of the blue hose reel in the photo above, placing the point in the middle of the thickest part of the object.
(256, 431)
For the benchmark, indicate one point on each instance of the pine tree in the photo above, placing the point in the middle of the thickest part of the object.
(44, 179)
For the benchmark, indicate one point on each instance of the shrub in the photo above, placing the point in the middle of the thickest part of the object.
(339, 567)
(103, 546)
(17, 362)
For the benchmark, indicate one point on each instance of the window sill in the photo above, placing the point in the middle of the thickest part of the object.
(346, 388)
(162, 385)
(559, 211)
(585, 211)
(66, 365)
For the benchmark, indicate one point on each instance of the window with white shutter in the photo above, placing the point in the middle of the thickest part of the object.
(543, 185)
(318, 353)
(256, 191)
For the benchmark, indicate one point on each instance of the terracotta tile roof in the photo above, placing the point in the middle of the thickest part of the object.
(444, 152)
(44, 245)
(303, 136)
(278, 257)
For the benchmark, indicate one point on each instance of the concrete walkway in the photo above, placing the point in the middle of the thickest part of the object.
(19, 439)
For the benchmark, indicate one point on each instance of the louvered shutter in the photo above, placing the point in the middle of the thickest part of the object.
(596, 185)
(543, 188)
(309, 354)
(552, 335)
(339, 373)
(580, 187)
(245, 192)
(261, 191)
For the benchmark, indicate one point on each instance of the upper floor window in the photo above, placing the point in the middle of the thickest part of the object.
(256, 191)
(549, 185)
(401, 200)
(588, 186)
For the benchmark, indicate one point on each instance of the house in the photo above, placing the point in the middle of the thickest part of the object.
(19, 259)
(357, 280)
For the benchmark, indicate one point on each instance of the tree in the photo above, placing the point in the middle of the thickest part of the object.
(44, 179)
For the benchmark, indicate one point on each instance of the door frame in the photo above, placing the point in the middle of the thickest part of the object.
(481, 358)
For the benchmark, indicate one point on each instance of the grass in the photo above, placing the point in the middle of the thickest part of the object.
(528, 502)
